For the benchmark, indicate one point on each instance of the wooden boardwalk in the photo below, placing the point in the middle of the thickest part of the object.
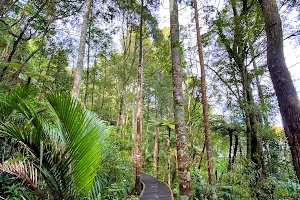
(154, 189)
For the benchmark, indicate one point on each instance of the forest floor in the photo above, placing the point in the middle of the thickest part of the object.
(154, 189)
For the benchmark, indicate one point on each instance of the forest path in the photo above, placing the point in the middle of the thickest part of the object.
(154, 189)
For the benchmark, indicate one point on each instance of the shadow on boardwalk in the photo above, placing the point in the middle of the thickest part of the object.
(155, 189)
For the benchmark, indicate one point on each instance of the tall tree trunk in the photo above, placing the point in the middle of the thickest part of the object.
(248, 132)
(213, 194)
(155, 152)
(236, 137)
(94, 79)
(133, 135)
(284, 88)
(81, 50)
(180, 129)
(169, 159)
(256, 152)
(120, 119)
(201, 156)
(88, 66)
(104, 87)
(230, 146)
(139, 111)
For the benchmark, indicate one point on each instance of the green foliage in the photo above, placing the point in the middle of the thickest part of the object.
(115, 182)
(11, 188)
(69, 145)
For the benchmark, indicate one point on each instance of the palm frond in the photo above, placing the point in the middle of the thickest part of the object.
(84, 134)
(68, 146)
(22, 169)
(100, 182)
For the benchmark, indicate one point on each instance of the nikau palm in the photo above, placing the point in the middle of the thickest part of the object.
(67, 146)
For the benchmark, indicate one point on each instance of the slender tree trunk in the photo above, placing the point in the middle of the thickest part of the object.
(176, 171)
(88, 66)
(133, 136)
(180, 129)
(256, 153)
(104, 87)
(155, 152)
(94, 79)
(248, 132)
(169, 159)
(81, 50)
(213, 194)
(10, 56)
(120, 120)
(139, 111)
(256, 142)
(236, 138)
(14, 77)
(284, 88)
(201, 155)
(230, 146)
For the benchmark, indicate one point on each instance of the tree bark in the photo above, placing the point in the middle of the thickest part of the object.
(155, 152)
(212, 194)
(180, 129)
(81, 50)
(236, 138)
(201, 156)
(88, 67)
(169, 159)
(139, 110)
(230, 146)
(133, 135)
(94, 79)
(284, 88)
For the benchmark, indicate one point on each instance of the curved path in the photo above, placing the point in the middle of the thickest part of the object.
(154, 189)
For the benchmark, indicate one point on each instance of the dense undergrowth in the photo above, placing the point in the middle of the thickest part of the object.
(59, 150)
